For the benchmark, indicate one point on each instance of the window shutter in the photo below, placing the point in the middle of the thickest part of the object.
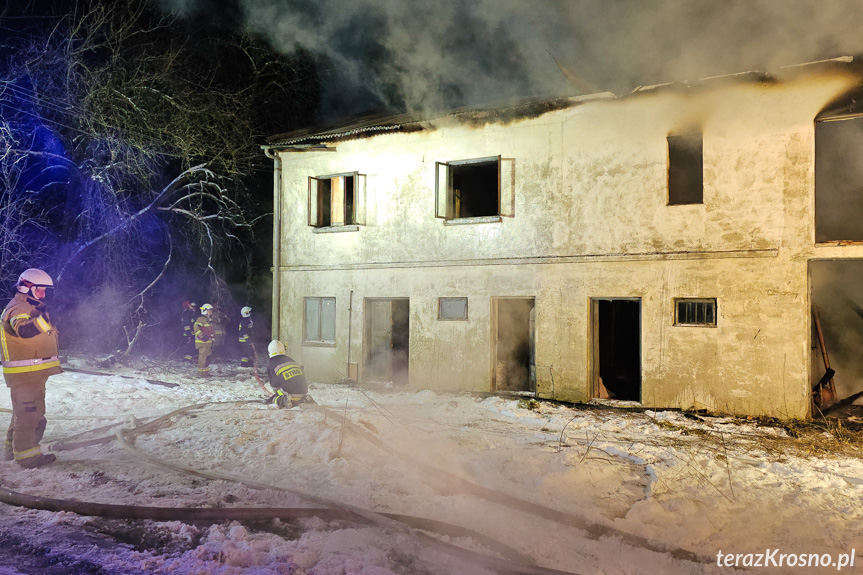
(506, 186)
(359, 199)
(313, 202)
(443, 191)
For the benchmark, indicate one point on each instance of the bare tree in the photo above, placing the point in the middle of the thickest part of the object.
(159, 146)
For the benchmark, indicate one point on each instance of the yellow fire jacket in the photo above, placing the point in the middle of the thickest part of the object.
(203, 332)
(28, 338)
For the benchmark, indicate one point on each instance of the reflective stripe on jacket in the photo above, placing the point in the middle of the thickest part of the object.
(27, 336)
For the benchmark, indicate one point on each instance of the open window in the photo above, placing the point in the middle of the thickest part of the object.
(336, 200)
(839, 180)
(477, 188)
(685, 170)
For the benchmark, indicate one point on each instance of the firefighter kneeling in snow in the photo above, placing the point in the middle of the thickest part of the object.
(30, 356)
(286, 378)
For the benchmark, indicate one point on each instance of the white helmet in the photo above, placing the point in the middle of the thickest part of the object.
(206, 307)
(276, 348)
(246, 311)
(33, 277)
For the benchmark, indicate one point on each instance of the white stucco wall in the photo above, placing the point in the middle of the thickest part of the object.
(591, 221)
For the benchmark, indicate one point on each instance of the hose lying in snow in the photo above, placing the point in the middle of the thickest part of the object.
(400, 523)
(149, 426)
(102, 373)
(594, 530)
(514, 562)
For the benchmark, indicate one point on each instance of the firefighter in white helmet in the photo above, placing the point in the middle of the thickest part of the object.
(286, 378)
(204, 339)
(30, 355)
(245, 337)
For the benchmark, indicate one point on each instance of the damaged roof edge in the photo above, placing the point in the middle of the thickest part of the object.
(375, 124)
(368, 126)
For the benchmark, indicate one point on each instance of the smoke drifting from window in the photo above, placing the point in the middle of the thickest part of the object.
(393, 54)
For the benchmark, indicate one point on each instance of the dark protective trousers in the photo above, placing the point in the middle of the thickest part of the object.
(28, 413)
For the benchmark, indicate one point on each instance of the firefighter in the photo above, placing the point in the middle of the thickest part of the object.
(187, 319)
(286, 378)
(245, 337)
(30, 355)
(204, 339)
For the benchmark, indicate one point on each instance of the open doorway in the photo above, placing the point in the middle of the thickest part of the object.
(616, 348)
(387, 340)
(837, 330)
(513, 344)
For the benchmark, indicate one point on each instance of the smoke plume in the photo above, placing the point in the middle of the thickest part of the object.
(423, 56)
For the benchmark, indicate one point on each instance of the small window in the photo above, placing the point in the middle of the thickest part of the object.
(319, 321)
(685, 170)
(334, 200)
(468, 188)
(690, 311)
(452, 308)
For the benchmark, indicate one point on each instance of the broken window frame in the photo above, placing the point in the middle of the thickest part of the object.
(680, 160)
(446, 201)
(440, 308)
(318, 204)
(709, 313)
(323, 324)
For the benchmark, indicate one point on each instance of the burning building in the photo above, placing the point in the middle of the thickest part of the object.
(666, 247)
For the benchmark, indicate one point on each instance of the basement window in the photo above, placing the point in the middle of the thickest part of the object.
(452, 309)
(838, 180)
(685, 170)
(319, 321)
(472, 189)
(695, 312)
(334, 200)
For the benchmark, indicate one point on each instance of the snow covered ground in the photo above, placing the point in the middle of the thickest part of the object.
(559, 488)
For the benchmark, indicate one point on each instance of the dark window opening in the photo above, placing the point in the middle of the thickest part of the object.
(839, 180)
(325, 194)
(468, 189)
(689, 311)
(685, 170)
(349, 201)
(475, 190)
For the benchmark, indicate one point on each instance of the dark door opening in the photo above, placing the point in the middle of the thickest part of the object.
(617, 348)
(387, 340)
(514, 345)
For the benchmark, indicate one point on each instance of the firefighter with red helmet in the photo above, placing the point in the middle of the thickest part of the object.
(30, 355)
(204, 333)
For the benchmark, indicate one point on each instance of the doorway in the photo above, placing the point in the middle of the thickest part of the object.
(387, 340)
(514, 347)
(616, 348)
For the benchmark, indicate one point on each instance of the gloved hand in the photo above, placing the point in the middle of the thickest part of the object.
(271, 399)
(41, 320)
